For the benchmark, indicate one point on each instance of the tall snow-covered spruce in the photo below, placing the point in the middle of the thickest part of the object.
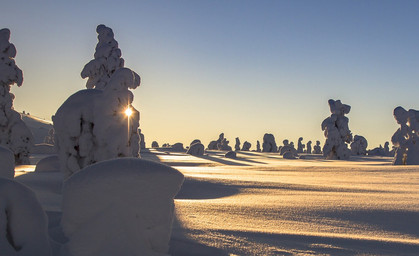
(99, 123)
(14, 134)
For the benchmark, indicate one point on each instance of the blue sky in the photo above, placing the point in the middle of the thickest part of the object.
(239, 67)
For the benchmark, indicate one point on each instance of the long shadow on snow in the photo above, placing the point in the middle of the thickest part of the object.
(201, 189)
(222, 161)
(324, 245)
(405, 222)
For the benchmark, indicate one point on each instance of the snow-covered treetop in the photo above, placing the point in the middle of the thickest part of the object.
(107, 59)
(9, 72)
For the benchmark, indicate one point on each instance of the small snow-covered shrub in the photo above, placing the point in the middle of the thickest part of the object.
(23, 222)
(359, 145)
(120, 207)
(196, 149)
(7, 163)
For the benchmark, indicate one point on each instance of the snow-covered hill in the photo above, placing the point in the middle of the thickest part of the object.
(39, 127)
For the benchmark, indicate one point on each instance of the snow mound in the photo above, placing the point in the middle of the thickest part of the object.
(48, 164)
(7, 166)
(23, 222)
(123, 206)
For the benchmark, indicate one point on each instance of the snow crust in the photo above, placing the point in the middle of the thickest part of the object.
(120, 207)
(23, 222)
(14, 134)
(7, 163)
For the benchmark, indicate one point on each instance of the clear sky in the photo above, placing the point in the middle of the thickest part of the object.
(239, 67)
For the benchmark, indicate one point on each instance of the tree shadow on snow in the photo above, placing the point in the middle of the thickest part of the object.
(221, 161)
(202, 189)
(404, 222)
(291, 244)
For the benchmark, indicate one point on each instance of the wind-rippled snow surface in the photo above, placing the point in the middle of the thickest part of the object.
(261, 204)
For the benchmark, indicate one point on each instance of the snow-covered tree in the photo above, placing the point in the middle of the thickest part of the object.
(98, 124)
(107, 59)
(14, 134)
(336, 131)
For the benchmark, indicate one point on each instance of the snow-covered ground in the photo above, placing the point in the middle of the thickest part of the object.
(261, 204)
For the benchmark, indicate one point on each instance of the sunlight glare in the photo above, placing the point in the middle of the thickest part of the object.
(128, 112)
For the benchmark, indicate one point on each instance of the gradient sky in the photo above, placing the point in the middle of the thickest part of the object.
(239, 67)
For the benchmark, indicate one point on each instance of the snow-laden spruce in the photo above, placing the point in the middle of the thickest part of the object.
(107, 59)
(14, 134)
(23, 222)
(98, 124)
(91, 125)
(336, 131)
(123, 206)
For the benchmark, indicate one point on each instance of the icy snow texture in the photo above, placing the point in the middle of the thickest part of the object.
(196, 149)
(300, 145)
(91, 126)
(337, 132)
(359, 145)
(123, 206)
(317, 149)
(7, 163)
(48, 164)
(107, 59)
(23, 222)
(309, 147)
(246, 146)
(14, 134)
(237, 146)
(406, 138)
(269, 144)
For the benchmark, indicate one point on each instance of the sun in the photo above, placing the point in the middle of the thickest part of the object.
(128, 112)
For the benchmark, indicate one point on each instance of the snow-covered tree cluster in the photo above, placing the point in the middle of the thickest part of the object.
(336, 131)
(14, 134)
(98, 124)
(406, 138)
